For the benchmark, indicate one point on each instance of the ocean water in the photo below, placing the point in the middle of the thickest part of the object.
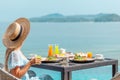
(99, 38)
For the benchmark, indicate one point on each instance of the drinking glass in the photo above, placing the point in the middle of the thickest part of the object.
(30, 56)
(56, 49)
(89, 54)
(65, 61)
(50, 50)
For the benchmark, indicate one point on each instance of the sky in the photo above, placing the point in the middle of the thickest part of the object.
(13, 9)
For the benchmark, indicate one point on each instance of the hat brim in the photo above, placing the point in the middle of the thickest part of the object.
(25, 24)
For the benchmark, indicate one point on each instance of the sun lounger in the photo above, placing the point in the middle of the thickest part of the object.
(4, 75)
(1, 65)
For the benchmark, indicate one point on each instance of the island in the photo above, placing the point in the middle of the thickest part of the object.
(56, 17)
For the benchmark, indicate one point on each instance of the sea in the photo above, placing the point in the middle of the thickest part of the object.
(96, 37)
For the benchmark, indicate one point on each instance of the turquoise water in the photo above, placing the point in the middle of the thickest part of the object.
(100, 38)
(99, 73)
(87, 74)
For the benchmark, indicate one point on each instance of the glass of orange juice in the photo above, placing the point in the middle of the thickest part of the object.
(50, 50)
(89, 54)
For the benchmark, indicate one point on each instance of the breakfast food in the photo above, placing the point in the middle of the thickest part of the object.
(51, 58)
(38, 56)
(80, 56)
(59, 55)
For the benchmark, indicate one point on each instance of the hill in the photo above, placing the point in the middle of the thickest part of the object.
(56, 17)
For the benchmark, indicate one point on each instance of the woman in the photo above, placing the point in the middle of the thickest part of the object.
(15, 62)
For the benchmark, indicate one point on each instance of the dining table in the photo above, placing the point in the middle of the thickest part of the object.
(66, 70)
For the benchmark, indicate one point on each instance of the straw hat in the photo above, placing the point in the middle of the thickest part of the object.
(16, 33)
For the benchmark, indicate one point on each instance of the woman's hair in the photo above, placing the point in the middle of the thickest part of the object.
(8, 51)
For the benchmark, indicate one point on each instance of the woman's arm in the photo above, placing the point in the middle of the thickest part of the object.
(19, 72)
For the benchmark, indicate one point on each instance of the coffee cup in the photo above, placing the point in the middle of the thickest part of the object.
(99, 56)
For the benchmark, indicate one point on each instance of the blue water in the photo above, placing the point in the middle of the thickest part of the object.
(100, 38)
(100, 73)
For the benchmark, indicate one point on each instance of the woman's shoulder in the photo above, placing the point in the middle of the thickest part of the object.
(16, 53)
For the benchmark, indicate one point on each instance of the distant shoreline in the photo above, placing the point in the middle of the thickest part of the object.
(56, 17)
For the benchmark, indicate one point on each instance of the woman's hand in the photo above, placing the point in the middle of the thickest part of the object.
(35, 61)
